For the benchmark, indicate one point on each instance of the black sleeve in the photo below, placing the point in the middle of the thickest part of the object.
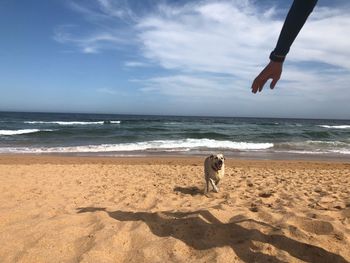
(295, 20)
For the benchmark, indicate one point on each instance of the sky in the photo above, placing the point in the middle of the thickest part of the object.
(171, 57)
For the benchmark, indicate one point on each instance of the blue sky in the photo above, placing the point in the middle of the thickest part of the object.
(170, 57)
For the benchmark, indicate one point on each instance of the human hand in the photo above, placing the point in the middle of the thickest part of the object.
(272, 71)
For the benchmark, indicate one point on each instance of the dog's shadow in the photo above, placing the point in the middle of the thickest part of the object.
(192, 190)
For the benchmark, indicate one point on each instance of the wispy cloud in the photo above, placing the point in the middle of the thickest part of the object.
(91, 43)
(106, 91)
(136, 64)
(102, 10)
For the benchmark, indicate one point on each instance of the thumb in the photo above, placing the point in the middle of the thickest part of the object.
(274, 82)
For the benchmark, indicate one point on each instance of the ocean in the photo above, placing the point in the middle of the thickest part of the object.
(132, 135)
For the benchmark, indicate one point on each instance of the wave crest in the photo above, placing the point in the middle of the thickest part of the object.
(19, 132)
(335, 126)
(159, 145)
(70, 123)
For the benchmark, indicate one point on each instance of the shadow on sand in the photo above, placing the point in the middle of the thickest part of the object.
(201, 230)
(192, 190)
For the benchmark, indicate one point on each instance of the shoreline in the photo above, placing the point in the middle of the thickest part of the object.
(176, 161)
(86, 158)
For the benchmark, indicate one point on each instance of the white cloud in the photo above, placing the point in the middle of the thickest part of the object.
(325, 39)
(224, 37)
(233, 37)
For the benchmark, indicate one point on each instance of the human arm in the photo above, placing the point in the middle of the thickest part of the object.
(295, 20)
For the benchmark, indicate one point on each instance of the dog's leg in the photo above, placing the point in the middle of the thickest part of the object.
(206, 187)
(206, 176)
(216, 184)
(216, 190)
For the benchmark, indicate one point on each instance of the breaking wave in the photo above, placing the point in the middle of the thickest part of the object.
(19, 132)
(159, 145)
(70, 123)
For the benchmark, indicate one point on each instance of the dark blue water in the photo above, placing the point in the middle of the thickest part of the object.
(129, 134)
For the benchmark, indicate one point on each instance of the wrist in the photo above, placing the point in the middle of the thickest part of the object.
(277, 58)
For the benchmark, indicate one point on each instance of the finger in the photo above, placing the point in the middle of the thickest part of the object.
(262, 84)
(260, 81)
(273, 83)
(255, 85)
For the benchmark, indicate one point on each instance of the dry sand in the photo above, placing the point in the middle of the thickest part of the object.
(70, 209)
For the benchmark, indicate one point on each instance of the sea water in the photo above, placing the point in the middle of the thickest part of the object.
(120, 135)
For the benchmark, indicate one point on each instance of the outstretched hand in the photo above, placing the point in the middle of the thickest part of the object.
(272, 71)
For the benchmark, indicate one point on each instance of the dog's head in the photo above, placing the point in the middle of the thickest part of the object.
(217, 161)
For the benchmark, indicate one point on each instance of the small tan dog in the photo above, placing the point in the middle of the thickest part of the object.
(214, 170)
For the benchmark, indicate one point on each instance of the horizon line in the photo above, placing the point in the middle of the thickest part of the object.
(170, 115)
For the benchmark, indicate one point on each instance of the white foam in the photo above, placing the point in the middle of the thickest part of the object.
(316, 152)
(327, 143)
(159, 145)
(18, 132)
(313, 146)
(343, 151)
(71, 122)
(172, 123)
(335, 126)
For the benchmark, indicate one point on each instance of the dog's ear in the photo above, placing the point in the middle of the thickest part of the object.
(211, 156)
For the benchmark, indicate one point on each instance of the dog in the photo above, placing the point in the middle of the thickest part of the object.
(214, 170)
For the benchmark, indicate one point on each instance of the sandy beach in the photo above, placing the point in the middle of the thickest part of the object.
(90, 209)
